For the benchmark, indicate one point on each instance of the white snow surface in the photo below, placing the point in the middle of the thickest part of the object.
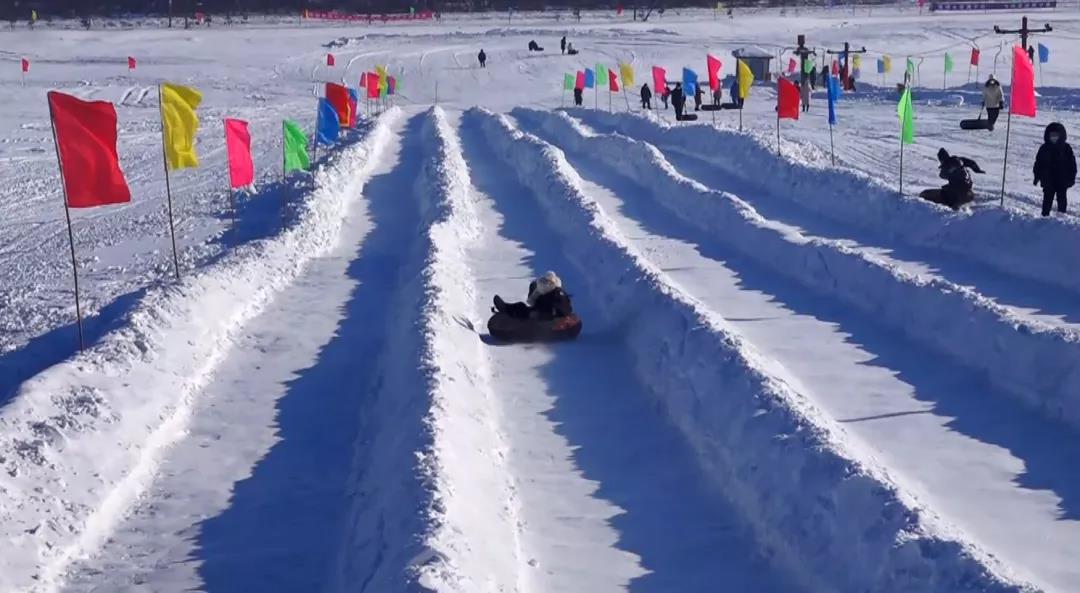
(791, 378)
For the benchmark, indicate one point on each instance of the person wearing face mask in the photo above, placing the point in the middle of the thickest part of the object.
(1055, 168)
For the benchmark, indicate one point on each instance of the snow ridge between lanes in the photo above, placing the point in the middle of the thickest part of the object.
(1014, 241)
(467, 465)
(1037, 364)
(822, 505)
(134, 392)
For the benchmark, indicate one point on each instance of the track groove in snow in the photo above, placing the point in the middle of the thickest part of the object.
(839, 511)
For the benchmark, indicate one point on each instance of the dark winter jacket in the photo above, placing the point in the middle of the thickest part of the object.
(646, 94)
(552, 304)
(954, 169)
(1055, 163)
(481, 56)
(678, 99)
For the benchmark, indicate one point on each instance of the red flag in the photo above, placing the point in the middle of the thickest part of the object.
(25, 65)
(618, 10)
(329, 59)
(579, 82)
(1022, 99)
(339, 98)
(86, 142)
(373, 85)
(363, 80)
(835, 68)
(131, 63)
(974, 56)
(238, 143)
(714, 66)
(791, 65)
(613, 81)
(787, 100)
(659, 78)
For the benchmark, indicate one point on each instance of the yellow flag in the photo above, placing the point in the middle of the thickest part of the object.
(381, 71)
(746, 78)
(857, 61)
(179, 123)
(886, 63)
(626, 73)
(33, 16)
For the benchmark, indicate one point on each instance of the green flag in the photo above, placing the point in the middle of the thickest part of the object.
(948, 63)
(910, 66)
(807, 66)
(601, 75)
(568, 82)
(294, 144)
(907, 117)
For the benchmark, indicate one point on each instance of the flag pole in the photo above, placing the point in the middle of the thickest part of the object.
(777, 129)
(901, 163)
(740, 117)
(71, 234)
(609, 96)
(1008, 128)
(832, 150)
(168, 188)
(228, 181)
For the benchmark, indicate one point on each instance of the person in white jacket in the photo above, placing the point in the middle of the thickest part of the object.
(993, 99)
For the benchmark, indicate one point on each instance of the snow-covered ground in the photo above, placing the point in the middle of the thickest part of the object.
(790, 377)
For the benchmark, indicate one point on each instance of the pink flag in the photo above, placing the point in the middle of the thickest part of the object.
(613, 81)
(579, 80)
(791, 65)
(1022, 99)
(238, 142)
(835, 68)
(329, 59)
(373, 85)
(25, 65)
(131, 63)
(363, 80)
(714, 66)
(974, 56)
(659, 78)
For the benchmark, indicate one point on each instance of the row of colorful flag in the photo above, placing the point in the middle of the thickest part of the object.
(25, 64)
(603, 76)
(884, 63)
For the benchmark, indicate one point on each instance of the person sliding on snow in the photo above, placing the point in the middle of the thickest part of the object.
(1055, 167)
(546, 301)
(992, 100)
(957, 191)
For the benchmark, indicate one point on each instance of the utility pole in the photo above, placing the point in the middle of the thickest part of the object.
(845, 68)
(1023, 31)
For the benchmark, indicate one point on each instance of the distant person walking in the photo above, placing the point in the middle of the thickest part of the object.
(483, 59)
(993, 99)
(646, 97)
(562, 44)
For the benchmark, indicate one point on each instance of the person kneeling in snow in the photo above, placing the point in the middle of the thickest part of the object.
(957, 191)
(546, 301)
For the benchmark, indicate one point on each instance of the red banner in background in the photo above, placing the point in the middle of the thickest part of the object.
(383, 18)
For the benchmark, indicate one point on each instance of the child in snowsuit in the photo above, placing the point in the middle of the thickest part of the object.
(483, 59)
(546, 301)
(646, 97)
(957, 191)
(1055, 167)
(992, 100)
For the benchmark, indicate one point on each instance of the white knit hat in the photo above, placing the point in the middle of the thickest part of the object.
(544, 284)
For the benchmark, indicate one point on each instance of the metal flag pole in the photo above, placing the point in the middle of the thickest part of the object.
(168, 188)
(71, 234)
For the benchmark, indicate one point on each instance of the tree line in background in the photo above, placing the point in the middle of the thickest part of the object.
(20, 10)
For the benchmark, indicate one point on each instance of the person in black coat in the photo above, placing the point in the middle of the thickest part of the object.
(678, 100)
(646, 97)
(698, 94)
(546, 301)
(562, 44)
(483, 59)
(578, 98)
(1055, 167)
(957, 191)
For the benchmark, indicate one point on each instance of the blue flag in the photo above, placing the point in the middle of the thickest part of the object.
(1044, 54)
(590, 78)
(833, 89)
(689, 82)
(354, 95)
(880, 66)
(327, 125)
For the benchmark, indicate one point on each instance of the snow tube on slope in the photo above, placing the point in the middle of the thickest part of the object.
(505, 328)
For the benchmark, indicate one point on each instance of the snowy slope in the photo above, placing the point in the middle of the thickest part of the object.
(791, 378)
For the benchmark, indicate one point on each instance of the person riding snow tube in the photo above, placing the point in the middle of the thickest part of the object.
(957, 191)
(547, 314)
